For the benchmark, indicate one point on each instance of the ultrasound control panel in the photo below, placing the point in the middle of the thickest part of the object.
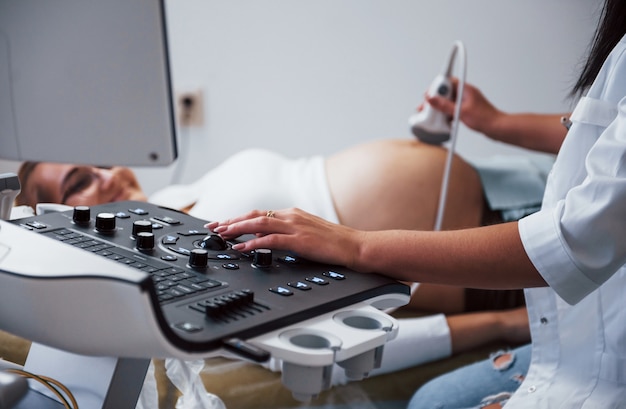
(209, 295)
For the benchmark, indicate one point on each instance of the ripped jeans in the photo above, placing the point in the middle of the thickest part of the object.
(485, 384)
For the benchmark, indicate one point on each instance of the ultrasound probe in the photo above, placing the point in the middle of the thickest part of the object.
(432, 126)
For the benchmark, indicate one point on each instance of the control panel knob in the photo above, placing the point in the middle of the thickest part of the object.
(214, 242)
(145, 241)
(140, 226)
(81, 215)
(263, 258)
(105, 222)
(198, 258)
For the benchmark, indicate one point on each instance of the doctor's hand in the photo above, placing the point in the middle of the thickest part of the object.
(296, 231)
(477, 112)
(539, 132)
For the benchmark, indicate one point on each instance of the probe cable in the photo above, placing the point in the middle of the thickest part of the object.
(456, 119)
(52, 384)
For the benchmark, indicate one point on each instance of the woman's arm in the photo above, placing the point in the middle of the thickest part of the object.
(486, 257)
(472, 330)
(490, 257)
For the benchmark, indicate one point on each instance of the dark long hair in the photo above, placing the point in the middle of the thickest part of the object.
(611, 29)
(24, 175)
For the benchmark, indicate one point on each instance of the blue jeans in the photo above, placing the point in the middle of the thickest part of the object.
(476, 385)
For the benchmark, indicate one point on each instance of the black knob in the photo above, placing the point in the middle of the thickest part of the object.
(214, 242)
(145, 241)
(105, 222)
(198, 258)
(263, 258)
(142, 226)
(82, 215)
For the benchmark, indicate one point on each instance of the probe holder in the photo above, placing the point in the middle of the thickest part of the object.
(352, 337)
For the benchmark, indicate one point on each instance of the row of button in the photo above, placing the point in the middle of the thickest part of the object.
(170, 282)
(232, 306)
(302, 286)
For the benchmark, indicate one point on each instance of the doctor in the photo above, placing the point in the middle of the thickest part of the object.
(569, 256)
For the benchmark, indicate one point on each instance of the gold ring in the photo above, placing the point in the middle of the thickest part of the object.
(270, 213)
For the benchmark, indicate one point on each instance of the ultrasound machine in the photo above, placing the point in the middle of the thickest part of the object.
(101, 290)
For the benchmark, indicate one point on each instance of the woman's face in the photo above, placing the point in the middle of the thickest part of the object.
(75, 185)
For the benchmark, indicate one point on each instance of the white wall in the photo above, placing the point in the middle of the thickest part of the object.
(303, 77)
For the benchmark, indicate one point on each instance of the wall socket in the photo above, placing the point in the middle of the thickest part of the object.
(190, 108)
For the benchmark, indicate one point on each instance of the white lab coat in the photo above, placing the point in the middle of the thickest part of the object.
(578, 244)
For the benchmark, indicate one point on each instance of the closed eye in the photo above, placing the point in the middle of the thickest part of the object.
(76, 183)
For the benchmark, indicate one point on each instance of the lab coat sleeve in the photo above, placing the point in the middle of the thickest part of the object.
(579, 241)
